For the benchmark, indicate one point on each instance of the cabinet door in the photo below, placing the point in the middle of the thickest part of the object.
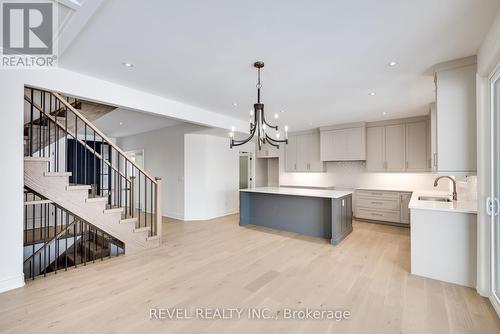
(405, 211)
(416, 147)
(303, 148)
(331, 145)
(395, 159)
(291, 154)
(433, 138)
(356, 144)
(343, 145)
(314, 162)
(375, 149)
(456, 119)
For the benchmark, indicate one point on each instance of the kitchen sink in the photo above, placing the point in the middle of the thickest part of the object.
(434, 198)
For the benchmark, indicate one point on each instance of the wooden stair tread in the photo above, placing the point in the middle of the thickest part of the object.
(56, 174)
(97, 199)
(78, 187)
(128, 220)
(43, 159)
(113, 210)
(142, 229)
(39, 201)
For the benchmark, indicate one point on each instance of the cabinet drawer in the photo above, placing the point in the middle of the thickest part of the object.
(388, 216)
(378, 194)
(376, 203)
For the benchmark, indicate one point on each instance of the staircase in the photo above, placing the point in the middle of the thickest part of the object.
(72, 165)
(55, 239)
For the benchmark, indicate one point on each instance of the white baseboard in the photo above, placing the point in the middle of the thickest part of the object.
(173, 216)
(212, 217)
(11, 283)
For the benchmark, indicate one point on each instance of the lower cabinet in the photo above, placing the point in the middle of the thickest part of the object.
(383, 206)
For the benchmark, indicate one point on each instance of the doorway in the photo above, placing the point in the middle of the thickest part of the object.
(136, 156)
(246, 179)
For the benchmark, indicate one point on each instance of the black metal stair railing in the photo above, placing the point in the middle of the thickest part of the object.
(55, 239)
(56, 130)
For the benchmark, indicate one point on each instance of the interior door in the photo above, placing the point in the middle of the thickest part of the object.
(245, 170)
(493, 204)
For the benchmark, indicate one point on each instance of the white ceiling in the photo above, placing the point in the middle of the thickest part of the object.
(132, 122)
(322, 57)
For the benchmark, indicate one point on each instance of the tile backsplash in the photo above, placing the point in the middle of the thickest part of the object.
(353, 174)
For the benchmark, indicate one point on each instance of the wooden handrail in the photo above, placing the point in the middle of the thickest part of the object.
(102, 135)
(28, 99)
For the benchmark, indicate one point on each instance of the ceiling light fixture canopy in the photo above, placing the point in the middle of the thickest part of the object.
(258, 123)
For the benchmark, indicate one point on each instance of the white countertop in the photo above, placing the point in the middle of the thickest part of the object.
(299, 192)
(454, 206)
(395, 189)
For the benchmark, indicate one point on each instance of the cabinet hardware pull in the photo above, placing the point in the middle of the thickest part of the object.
(377, 203)
(435, 159)
(377, 214)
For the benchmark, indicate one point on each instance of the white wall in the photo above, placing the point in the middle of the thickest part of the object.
(11, 135)
(488, 59)
(211, 176)
(164, 157)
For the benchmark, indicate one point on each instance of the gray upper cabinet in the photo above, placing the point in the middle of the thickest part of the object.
(375, 149)
(302, 153)
(395, 155)
(291, 154)
(455, 136)
(397, 146)
(416, 147)
(267, 151)
(345, 142)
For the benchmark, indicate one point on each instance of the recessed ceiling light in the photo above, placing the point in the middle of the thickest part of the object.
(392, 63)
(372, 93)
(282, 111)
(129, 65)
(235, 104)
(121, 123)
(384, 113)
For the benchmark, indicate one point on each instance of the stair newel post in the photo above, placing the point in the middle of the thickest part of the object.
(132, 195)
(158, 208)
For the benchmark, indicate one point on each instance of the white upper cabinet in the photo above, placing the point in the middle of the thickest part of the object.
(267, 151)
(343, 143)
(416, 147)
(375, 148)
(302, 153)
(395, 155)
(291, 154)
(397, 146)
(456, 116)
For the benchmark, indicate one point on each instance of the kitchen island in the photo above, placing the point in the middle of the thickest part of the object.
(314, 212)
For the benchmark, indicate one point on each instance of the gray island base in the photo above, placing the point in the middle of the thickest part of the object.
(314, 212)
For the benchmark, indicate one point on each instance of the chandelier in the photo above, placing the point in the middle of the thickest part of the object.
(258, 124)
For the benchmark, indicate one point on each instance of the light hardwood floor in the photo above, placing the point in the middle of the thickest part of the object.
(219, 264)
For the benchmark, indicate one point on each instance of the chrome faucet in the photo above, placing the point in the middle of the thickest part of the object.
(454, 185)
